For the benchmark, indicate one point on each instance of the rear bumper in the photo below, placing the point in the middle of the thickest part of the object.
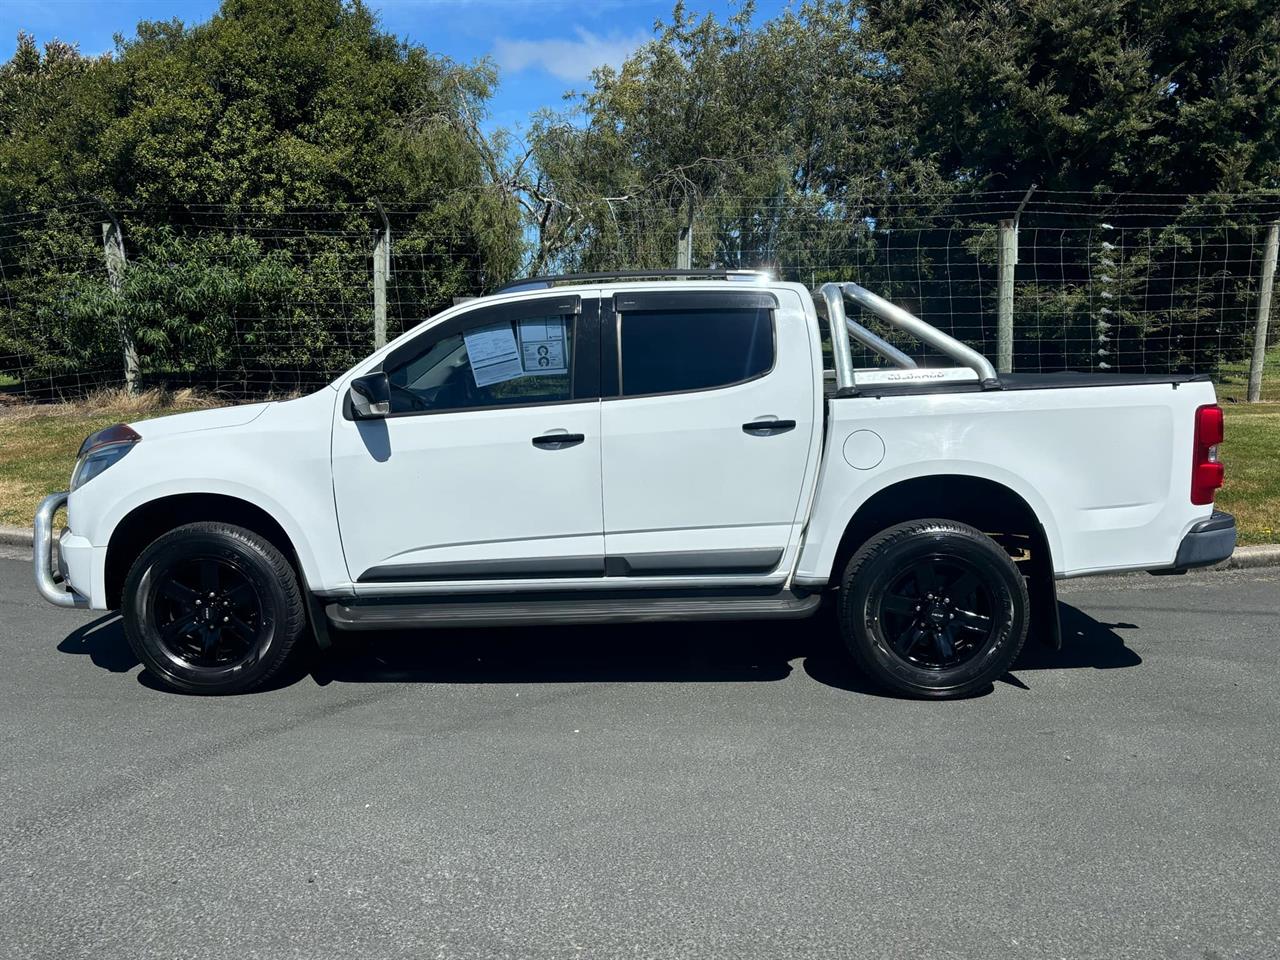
(1209, 541)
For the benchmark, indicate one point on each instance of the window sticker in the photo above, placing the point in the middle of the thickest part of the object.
(543, 346)
(493, 354)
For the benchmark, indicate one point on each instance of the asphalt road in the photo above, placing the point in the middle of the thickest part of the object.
(712, 791)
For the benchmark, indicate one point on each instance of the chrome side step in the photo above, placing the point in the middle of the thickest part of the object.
(529, 610)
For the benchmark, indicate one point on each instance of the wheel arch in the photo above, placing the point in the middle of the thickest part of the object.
(145, 522)
(977, 501)
(988, 505)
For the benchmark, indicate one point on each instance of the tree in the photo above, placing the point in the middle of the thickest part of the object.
(268, 109)
(1090, 95)
(43, 99)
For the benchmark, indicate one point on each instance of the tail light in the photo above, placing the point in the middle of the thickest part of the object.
(1206, 468)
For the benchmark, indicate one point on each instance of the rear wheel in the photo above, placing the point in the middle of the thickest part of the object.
(212, 608)
(933, 608)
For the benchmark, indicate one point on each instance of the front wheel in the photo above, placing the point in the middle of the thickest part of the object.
(933, 608)
(212, 608)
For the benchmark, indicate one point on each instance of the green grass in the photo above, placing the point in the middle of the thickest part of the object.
(1252, 450)
(1232, 381)
(1251, 453)
(38, 448)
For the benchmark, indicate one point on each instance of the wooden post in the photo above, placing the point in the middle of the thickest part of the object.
(1264, 313)
(1004, 295)
(684, 241)
(113, 251)
(381, 271)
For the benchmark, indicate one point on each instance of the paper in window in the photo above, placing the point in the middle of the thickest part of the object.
(493, 354)
(544, 346)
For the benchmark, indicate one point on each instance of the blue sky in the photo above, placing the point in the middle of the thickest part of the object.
(542, 47)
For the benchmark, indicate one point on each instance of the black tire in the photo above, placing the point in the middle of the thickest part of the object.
(906, 630)
(212, 608)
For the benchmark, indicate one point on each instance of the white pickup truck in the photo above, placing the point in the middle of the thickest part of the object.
(641, 447)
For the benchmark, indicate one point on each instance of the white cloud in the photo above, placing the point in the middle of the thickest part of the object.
(569, 60)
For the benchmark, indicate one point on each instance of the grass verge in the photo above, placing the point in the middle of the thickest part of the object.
(1251, 453)
(1232, 381)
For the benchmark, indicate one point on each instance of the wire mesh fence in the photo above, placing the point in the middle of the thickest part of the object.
(252, 302)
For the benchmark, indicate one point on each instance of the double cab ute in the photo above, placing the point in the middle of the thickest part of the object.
(627, 448)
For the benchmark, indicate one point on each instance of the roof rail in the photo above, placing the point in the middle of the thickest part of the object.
(551, 280)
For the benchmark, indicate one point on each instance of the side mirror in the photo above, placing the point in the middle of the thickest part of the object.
(370, 396)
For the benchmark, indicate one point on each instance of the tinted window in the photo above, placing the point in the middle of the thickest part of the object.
(664, 351)
(488, 364)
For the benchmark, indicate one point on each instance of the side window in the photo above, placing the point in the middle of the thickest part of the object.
(667, 351)
(487, 363)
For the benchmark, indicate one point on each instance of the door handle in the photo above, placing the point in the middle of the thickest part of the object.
(767, 428)
(558, 441)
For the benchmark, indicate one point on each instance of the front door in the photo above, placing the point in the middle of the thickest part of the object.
(709, 428)
(488, 468)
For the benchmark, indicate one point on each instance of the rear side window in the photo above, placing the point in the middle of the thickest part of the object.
(669, 351)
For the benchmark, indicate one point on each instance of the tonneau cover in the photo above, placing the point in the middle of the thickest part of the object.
(1062, 380)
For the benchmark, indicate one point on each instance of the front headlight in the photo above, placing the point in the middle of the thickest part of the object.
(100, 450)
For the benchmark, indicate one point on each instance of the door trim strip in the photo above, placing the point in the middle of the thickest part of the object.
(675, 563)
(678, 562)
(505, 569)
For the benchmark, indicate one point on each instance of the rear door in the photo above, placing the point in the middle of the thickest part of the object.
(707, 428)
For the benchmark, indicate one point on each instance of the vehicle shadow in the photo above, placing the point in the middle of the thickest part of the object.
(751, 651)
(711, 652)
(103, 642)
(1086, 644)
(693, 652)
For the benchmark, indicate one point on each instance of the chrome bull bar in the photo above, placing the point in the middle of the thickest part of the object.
(48, 581)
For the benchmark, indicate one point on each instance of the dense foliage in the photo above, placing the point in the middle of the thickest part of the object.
(242, 156)
(808, 142)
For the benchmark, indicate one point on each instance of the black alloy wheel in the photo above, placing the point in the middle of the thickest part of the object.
(933, 608)
(207, 611)
(212, 608)
(937, 613)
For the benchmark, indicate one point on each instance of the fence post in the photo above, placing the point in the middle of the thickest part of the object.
(684, 241)
(1004, 295)
(1264, 313)
(113, 251)
(381, 271)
